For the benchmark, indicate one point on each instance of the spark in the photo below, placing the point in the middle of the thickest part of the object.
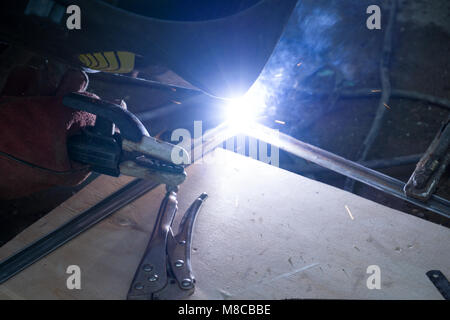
(299, 64)
(386, 106)
(176, 102)
(376, 90)
(280, 122)
(349, 212)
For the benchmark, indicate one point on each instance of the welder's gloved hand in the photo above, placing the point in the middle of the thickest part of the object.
(34, 127)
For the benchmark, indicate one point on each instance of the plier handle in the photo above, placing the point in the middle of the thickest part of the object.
(165, 271)
(133, 152)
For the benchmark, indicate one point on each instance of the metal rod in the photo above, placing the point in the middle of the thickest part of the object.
(126, 80)
(47, 244)
(345, 167)
(372, 164)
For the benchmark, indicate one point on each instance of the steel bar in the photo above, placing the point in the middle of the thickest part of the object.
(37, 250)
(393, 162)
(372, 164)
(345, 167)
(169, 108)
(126, 80)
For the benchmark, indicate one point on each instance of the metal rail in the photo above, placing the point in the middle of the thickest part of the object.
(55, 239)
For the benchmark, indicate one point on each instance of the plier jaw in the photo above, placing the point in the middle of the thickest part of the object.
(133, 152)
(165, 271)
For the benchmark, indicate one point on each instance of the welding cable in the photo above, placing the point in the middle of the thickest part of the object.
(385, 93)
(35, 166)
(395, 93)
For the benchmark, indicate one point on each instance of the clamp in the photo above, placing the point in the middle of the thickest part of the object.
(165, 271)
(131, 152)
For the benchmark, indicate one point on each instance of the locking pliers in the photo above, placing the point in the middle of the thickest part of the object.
(165, 271)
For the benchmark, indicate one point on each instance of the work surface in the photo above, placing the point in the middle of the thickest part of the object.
(263, 233)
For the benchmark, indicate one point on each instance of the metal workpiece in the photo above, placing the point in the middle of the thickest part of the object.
(165, 271)
(87, 219)
(433, 164)
(345, 167)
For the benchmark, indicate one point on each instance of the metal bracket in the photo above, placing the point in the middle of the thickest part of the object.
(440, 282)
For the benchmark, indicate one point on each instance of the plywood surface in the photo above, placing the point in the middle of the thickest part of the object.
(263, 233)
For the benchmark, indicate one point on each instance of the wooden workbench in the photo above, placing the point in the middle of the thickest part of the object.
(263, 233)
